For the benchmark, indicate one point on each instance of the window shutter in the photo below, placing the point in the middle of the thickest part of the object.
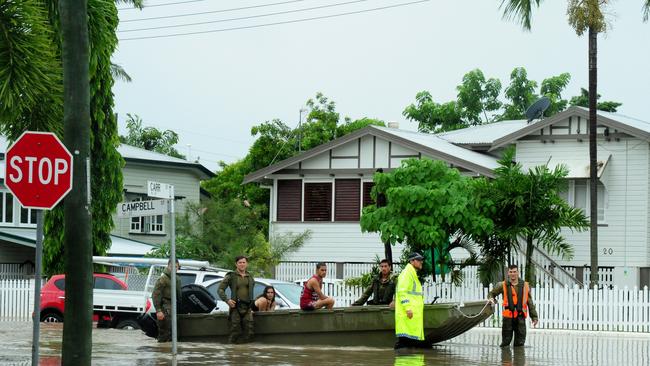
(318, 201)
(347, 199)
(289, 199)
(367, 199)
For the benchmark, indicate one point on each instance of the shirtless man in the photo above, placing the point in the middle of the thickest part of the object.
(312, 297)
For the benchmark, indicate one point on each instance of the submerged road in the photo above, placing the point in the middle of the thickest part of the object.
(477, 347)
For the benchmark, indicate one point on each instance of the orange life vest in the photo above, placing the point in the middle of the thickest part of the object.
(514, 310)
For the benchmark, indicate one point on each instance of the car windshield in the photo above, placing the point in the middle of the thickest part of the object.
(290, 291)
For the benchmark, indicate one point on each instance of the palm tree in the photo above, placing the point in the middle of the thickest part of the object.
(584, 16)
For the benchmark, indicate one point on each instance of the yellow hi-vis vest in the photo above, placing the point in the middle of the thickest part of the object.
(409, 296)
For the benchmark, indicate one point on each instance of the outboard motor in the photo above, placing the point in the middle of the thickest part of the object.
(196, 299)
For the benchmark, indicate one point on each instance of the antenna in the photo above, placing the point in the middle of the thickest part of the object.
(536, 110)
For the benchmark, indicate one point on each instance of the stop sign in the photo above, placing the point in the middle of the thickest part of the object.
(38, 170)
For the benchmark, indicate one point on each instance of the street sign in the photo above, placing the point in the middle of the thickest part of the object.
(160, 190)
(142, 208)
(38, 170)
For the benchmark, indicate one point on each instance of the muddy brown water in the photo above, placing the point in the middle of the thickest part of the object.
(477, 347)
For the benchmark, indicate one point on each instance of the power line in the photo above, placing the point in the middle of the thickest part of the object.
(243, 18)
(210, 12)
(277, 23)
(165, 4)
(246, 17)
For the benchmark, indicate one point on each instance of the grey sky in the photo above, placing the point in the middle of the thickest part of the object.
(212, 88)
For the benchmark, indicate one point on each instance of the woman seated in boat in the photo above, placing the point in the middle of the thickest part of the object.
(266, 301)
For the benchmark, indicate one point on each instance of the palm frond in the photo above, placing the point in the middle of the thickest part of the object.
(521, 11)
(118, 72)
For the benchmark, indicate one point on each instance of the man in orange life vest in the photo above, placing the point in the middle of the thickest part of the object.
(517, 305)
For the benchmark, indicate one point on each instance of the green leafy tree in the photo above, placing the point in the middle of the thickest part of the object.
(427, 203)
(477, 97)
(552, 88)
(150, 138)
(582, 100)
(521, 94)
(434, 117)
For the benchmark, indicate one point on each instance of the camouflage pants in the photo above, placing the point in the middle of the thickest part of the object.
(165, 325)
(516, 326)
(241, 325)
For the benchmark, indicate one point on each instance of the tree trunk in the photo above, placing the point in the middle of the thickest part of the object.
(388, 252)
(77, 327)
(593, 156)
(530, 269)
(433, 264)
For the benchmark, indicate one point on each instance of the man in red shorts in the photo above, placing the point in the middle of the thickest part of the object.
(312, 297)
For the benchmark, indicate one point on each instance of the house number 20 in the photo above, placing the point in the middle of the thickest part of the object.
(608, 251)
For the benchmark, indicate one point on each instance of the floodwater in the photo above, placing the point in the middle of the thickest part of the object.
(476, 347)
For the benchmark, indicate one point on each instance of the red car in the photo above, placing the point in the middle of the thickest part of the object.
(53, 294)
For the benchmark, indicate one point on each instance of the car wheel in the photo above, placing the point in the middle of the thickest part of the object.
(128, 324)
(51, 317)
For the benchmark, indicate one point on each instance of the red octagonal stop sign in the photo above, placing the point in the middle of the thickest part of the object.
(38, 170)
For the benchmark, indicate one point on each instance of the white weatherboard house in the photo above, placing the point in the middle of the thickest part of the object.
(324, 189)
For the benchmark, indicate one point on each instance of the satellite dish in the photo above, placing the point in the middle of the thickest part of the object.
(536, 110)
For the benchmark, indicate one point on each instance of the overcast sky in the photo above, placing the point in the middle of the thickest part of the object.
(212, 87)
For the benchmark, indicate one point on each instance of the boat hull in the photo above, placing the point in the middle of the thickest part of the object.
(372, 326)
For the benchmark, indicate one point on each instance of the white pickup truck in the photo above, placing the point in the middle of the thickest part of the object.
(119, 308)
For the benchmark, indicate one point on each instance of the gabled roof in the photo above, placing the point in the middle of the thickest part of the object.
(483, 134)
(629, 125)
(138, 155)
(424, 143)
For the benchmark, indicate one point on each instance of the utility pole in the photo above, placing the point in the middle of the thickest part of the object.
(77, 328)
(300, 129)
(593, 157)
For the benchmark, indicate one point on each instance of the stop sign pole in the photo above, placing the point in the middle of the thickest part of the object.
(38, 172)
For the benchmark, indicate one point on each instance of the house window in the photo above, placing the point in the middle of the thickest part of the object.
(27, 216)
(580, 199)
(147, 224)
(318, 201)
(347, 194)
(367, 198)
(7, 206)
(156, 224)
(289, 200)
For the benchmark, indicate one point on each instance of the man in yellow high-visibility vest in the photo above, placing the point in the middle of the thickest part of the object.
(409, 306)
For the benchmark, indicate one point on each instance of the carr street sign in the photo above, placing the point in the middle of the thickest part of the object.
(142, 208)
(160, 190)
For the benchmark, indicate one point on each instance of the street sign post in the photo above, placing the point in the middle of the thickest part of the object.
(166, 192)
(142, 208)
(38, 171)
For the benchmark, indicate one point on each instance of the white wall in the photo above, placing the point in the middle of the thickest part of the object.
(335, 242)
(625, 229)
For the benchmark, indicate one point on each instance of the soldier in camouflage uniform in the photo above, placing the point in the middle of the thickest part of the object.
(241, 284)
(162, 301)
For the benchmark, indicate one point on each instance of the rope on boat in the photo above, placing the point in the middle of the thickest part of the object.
(457, 307)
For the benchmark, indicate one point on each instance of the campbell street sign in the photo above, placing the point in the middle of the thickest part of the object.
(142, 208)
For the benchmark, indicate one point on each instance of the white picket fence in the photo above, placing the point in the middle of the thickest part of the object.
(16, 299)
(605, 309)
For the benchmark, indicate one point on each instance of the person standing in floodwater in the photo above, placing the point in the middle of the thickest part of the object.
(241, 284)
(409, 306)
(162, 301)
(517, 305)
